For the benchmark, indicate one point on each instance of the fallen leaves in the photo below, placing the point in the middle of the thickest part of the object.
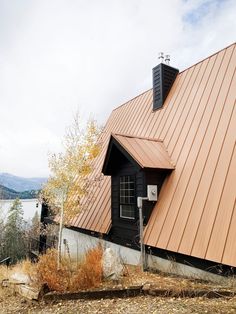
(144, 304)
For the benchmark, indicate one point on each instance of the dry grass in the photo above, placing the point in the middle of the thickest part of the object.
(47, 272)
(3, 275)
(24, 267)
(4, 272)
(89, 272)
(27, 268)
(70, 277)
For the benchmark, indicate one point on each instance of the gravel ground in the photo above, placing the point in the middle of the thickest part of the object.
(141, 304)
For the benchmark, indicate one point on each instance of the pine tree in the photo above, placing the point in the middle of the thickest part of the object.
(35, 225)
(2, 228)
(13, 240)
(34, 232)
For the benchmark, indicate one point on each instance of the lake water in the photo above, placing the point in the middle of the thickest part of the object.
(28, 206)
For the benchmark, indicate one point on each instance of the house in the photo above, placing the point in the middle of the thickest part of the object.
(179, 136)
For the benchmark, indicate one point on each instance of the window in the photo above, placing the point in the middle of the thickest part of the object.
(127, 197)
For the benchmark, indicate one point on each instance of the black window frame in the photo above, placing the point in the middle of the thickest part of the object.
(126, 197)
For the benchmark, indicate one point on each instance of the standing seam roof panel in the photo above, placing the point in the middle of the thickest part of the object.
(193, 156)
(202, 189)
(147, 153)
(189, 151)
(223, 218)
(187, 124)
(193, 184)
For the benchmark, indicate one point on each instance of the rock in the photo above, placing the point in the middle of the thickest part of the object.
(21, 277)
(146, 287)
(28, 292)
(112, 265)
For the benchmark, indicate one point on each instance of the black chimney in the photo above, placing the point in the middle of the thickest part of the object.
(163, 79)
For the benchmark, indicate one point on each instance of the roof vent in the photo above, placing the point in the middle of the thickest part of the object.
(163, 78)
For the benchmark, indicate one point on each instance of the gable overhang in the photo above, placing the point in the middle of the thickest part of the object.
(114, 144)
(143, 153)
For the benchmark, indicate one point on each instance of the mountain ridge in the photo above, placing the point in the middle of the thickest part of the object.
(21, 184)
(8, 194)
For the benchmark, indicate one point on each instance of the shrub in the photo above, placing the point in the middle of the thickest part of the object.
(70, 277)
(89, 272)
(48, 273)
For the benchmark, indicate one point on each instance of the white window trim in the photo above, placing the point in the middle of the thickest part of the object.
(126, 217)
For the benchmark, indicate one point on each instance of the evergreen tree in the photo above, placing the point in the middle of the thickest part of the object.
(2, 227)
(35, 225)
(34, 232)
(13, 240)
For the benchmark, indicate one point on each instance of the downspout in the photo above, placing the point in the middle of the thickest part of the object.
(142, 246)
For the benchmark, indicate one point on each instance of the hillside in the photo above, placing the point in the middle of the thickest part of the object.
(21, 184)
(6, 193)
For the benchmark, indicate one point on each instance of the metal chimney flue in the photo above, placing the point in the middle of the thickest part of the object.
(161, 57)
(167, 59)
(164, 58)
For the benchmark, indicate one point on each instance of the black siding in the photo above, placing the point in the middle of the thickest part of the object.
(125, 230)
(152, 177)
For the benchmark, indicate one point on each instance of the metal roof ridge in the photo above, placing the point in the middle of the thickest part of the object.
(186, 69)
(208, 57)
(128, 101)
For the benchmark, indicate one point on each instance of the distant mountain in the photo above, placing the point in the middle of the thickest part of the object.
(6, 194)
(21, 184)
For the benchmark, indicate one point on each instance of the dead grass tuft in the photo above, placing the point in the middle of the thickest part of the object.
(25, 267)
(89, 272)
(4, 272)
(47, 272)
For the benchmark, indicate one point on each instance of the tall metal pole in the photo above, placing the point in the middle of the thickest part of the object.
(141, 238)
(142, 248)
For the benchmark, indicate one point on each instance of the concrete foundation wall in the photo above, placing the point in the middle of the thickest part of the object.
(79, 243)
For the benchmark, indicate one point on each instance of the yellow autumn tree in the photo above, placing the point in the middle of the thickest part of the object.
(69, 179)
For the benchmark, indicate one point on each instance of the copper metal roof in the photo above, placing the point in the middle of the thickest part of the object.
(146, 152)
(196, 210)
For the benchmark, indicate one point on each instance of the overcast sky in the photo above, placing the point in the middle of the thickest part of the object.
(57, 57)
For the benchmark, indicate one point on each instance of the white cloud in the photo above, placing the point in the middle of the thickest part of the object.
(57, 56)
